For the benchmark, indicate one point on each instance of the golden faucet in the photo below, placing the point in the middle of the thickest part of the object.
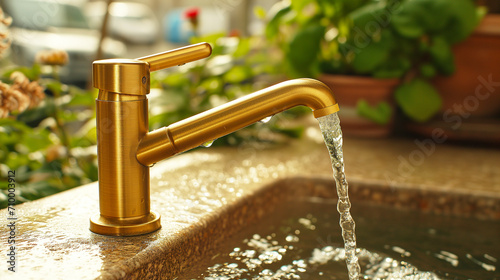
(126, 148)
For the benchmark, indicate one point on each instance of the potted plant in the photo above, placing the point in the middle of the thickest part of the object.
(477, 61)
(393, 47)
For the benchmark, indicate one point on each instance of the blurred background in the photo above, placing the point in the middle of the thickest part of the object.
(399, 68)
(134, 28)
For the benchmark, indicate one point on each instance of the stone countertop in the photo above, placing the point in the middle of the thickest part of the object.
(193, 191)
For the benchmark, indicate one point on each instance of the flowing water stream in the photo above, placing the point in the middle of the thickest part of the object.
(330, 128)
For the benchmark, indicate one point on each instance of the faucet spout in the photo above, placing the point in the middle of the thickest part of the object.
(225, 119)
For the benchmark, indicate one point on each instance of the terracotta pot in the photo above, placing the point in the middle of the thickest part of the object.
(349, 90)
(474, 88)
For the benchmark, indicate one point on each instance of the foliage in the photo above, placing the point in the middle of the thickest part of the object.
(406, 39)
(237, 66)
(46, 145)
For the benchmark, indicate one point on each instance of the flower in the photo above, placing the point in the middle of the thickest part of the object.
(19, 96)
(11, 100)
(5, 40)
(52, 57)
(29, 88)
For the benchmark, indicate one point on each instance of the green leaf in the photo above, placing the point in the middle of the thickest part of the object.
(368, 15)
(347, 6)
(38, 140)
(481, 11)
(17, 160)
(35, 115)
(243, 48)
(293, 132)
(56, 87)
(380, 114)
(85, 136)
(427, 70)
(9, 124)
(163, 119)
(418, 99)
(298, 5)
(464, 19)
(259, 12)
(272, 27)
(212, 84)
(370, 57)
(238, 74)
(386, 73)
(212, 40)
(432, 15)
(33, 73)
(394, 67)
(12, 131)
(81, 98)
(442, 55)
(38, 189)
(406, 24)
(455, 19)
(177, 80)
(304, 49)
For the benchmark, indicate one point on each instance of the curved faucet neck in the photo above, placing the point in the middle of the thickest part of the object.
(227, 118)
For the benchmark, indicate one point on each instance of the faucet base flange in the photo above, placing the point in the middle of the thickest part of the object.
(126, 226)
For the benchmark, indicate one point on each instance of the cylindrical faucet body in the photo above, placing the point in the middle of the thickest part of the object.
(122, 121)
(121, 125)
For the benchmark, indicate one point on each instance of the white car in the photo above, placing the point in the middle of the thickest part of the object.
(56, 25)
(131, 22)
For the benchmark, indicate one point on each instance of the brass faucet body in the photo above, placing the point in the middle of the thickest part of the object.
(126, 148)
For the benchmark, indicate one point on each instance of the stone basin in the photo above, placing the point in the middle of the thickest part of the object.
(207, 195)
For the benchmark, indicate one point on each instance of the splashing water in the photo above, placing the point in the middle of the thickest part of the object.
(330, 128)
(296, 242)
(281, 252)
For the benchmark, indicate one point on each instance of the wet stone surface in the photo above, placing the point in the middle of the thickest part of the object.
(207, 194)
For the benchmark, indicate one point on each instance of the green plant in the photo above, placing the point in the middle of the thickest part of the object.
(45, 127)
(406, 39)
(50, 146)
(237, 66)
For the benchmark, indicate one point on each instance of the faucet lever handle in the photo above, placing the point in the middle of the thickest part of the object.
(177, 56)
(131, 76)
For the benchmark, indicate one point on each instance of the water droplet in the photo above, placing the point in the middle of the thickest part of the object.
(207, 144)
(266, 120)
(292, 238)
(266, 272)
(232, 265)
